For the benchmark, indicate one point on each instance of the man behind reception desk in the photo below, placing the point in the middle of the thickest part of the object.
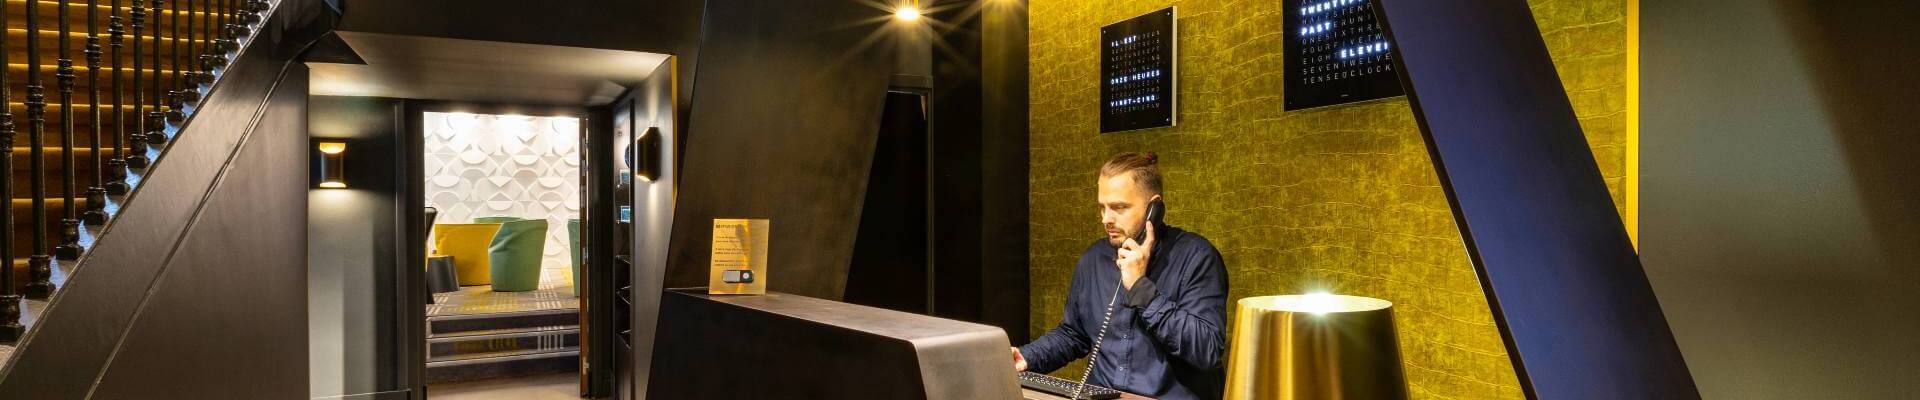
(1165, 288)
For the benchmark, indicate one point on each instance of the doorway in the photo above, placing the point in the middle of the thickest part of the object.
(369, 332)
(503, 191)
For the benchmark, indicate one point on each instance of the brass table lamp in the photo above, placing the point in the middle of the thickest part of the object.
(1315, 346)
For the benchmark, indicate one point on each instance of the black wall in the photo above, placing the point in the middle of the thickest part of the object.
(355, 248)
(653, 212)
(230, 306)
(890, 261)
(782, 127)
(979, 123)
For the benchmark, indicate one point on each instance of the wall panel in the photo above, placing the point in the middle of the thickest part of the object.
(783, 127)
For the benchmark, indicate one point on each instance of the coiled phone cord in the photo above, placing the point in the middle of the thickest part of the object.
(1082, 387)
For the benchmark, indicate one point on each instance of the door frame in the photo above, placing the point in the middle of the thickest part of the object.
(411, 338)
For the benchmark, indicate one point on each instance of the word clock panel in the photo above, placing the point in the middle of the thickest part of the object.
(1337, 54)
(1137, 65)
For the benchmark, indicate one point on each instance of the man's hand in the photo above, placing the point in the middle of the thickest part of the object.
(1133, 258)
(1019, 362)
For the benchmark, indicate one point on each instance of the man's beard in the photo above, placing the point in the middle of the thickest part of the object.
(1122, 240)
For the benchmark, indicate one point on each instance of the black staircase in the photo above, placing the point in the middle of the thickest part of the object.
(176, 52)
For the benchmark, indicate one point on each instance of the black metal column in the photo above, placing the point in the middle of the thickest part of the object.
(1572, 302)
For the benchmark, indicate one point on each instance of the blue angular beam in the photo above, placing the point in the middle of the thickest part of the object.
(1573, 304)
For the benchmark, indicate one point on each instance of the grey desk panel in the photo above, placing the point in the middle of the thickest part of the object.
(787, 346)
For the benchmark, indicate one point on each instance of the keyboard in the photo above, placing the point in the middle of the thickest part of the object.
(1063, 387)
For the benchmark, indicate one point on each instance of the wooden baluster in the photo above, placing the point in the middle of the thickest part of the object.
(206, 26)
(237, 25)
(116, 170)
(136, 154)
(10, 329)
(175, 99)
(69, 248)
(217, 58)
(213, 29)
(40, 264)
(96, 213)
(202, 75)
(228, 19)
(156, 133)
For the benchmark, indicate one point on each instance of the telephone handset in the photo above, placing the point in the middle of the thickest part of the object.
(1156, 214)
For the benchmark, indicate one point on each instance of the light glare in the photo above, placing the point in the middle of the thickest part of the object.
(1319, 303)
(907, 13)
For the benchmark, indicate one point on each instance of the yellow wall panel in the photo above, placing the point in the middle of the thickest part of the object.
(1341, 199)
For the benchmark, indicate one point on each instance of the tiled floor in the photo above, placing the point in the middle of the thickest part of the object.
(539, 387)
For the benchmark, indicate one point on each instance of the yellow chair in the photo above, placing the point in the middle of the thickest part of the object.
(467, 243)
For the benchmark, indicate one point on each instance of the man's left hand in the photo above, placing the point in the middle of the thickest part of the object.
(1132, 258)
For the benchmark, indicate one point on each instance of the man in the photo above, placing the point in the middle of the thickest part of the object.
(1168, 292)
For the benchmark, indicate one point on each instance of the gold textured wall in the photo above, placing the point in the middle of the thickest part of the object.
(1341, 199)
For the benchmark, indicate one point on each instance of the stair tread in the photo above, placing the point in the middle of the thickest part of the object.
(503, 332)
(516, 313)
(470, 358)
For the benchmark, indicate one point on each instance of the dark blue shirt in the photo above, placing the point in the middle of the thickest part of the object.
(1168, 333)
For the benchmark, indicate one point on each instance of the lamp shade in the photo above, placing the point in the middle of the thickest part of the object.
(1316, 346)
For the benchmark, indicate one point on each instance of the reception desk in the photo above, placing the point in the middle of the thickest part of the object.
(787, 346)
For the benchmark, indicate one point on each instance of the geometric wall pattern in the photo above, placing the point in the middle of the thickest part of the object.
(483, 165)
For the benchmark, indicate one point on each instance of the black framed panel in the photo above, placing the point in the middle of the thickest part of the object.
(1139, 77)
(1336, 53)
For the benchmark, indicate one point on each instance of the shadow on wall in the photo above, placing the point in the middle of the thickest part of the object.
(1865, 81)
(1779, 226)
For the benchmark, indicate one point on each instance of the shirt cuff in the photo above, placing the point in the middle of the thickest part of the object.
(1142, 293)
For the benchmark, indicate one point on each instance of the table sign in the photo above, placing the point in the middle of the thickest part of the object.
(739, 263)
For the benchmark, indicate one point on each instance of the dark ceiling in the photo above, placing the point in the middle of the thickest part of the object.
(417, 67)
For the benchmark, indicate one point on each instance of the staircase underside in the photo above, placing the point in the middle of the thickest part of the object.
(131, 319)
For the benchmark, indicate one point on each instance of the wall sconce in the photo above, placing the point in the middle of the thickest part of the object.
(332, 163)
(646, 157)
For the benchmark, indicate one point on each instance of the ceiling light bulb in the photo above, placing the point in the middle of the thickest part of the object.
(906, 13)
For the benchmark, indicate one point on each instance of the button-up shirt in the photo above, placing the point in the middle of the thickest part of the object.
(1166, 337)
